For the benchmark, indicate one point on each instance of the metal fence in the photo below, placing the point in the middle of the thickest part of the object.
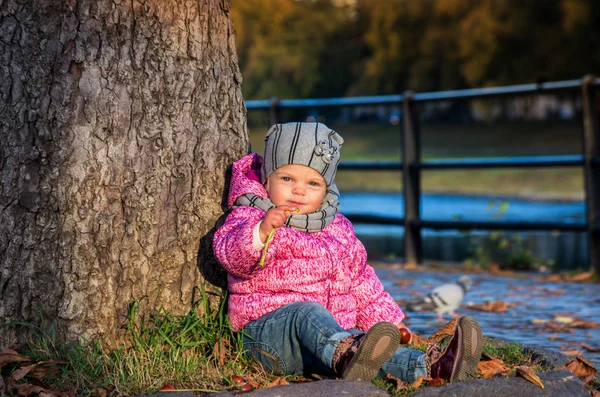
(411, 164)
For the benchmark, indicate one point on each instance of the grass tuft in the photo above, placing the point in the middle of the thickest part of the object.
(198, 351)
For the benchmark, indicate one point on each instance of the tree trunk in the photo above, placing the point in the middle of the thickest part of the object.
(118, 120)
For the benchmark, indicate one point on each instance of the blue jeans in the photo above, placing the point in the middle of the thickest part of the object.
(300, 338)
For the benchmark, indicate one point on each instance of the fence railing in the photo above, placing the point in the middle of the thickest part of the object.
(411, 164)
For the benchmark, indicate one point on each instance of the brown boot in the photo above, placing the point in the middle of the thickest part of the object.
(359, 357)
(458, 360)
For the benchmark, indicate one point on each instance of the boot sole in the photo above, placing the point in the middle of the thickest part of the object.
(471, 348)
(377, 347)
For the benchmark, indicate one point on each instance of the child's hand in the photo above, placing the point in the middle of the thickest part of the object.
(274, 219)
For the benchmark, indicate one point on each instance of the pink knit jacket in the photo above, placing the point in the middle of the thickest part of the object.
(328, 267)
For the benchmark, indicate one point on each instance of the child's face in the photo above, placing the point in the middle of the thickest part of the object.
(297, 185)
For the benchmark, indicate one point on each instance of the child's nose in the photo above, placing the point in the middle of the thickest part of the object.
(298, 189)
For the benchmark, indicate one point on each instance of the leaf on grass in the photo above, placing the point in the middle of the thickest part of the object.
(102, 392)
(580, 367)
(446, 330)
(420, 380)
(20, 373)
(253, 383)
(589, 348)
(493, 306)
(528, 374)
(220, 350)
(399, 383)
(491, 368)
(27, 389)
(44, 368)
(418, 340)
(10, 356)
(278, 382)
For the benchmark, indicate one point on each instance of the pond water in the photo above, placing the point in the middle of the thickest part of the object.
(533, 301)
(567, 250)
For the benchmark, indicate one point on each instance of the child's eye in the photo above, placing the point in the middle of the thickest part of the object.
(316, 184)
(286, 178)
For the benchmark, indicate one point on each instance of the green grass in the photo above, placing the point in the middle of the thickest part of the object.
(197, 351)
(378, 141)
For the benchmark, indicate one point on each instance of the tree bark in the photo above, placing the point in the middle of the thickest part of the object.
(118, 120)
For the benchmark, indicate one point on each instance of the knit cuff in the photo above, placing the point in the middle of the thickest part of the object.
(256, 243)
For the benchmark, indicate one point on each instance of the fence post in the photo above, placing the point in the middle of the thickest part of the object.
(591, 153)
(274, 111)
(411, 153)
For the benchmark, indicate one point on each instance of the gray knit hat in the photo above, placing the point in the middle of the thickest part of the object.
(312, 144)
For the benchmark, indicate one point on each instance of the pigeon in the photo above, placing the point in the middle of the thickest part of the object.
(444, 299)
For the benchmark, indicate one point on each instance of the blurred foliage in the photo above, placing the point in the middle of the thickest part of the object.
(320, 48)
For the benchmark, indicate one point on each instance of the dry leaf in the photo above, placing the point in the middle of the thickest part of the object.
(436, 382)
(10, 356)
(20, 373)
(100, 392)
(220, 350)
(278, 382)
(400, 384)
(579, 323)
(491, 368)
(572, 352)
(585, 276)
(595, 393)
(528, 374)
(44, 368)
(446, 330)
(418, 340)
(590, 348)
(253, 383)
(493, 306)
(580, 367)
(27, 389)
(416, 384)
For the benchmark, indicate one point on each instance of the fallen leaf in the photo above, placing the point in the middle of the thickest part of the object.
(400, 384)
(446, 330)
(595, 393)
(420, 380)
(166, 387)
(585, 276)
(493, 306)
(563, 319)
(253, 383)
(528, 374)
(436, 382)
(27, 389)
(102, 392)
(491, 368)
(20, 373)
(538, 321)
(220, 350)
(580, 367)
(10, 356)
(579, 323)
(278, 382)
(572, 352)
(590, 348)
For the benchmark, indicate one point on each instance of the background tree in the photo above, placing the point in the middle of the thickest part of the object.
(321, 48)
(118, 120)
